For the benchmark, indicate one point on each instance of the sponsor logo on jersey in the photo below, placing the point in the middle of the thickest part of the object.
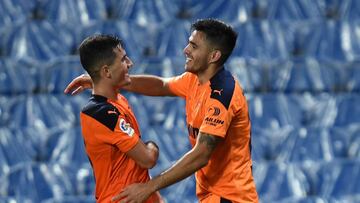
(126, 128)
(213, 121)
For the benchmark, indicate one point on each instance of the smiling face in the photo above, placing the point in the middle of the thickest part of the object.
(197, 53)
(118, 70)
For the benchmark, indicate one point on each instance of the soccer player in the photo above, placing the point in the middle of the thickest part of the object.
(110, 131)
(217, 117)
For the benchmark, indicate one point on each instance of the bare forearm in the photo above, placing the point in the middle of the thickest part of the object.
(186, 166)
(148, 85)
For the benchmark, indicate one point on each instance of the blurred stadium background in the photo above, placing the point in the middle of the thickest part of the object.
(298, 61)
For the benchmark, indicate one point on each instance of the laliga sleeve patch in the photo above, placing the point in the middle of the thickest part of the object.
(126, 128)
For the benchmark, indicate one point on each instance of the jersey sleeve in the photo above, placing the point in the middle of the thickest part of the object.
(217, 118)
(179, 85)
(110, 126)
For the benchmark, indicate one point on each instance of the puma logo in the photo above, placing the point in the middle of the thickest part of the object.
(218, 91)
(112, 112)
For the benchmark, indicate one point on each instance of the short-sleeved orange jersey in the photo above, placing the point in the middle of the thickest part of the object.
(110, 130)
(219, 108)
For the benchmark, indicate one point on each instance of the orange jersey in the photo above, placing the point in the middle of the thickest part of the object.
(219, 108)
(110, 130)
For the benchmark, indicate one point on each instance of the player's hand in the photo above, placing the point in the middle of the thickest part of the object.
(79, 84)
(135, 193)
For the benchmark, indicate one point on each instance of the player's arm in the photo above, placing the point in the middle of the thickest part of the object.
(192, 161)
(144, 154)
(150, 85)
(143, 84)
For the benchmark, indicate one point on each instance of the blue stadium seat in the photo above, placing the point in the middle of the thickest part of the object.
(310, 199)
(334, 179)
(40, 111)
(160, 66)
(16, 78)
(349, 10)
(66, 147)
(39, 40)
(135, 37)
(306, 144)
(264, 40)
(301, 75)
(354, 146)
(144, 12)
(72, 199)
(347, 110)
(333, 40)
(292, 11)
(343, 142)
(274, 111)
(172, 38)
(276, 181)
(318, 110)
(35, 181)
(74, 12)
(15, 11)
(59, 72)
(267, 143)
(231, 11)
(251, 74)
(353, 82)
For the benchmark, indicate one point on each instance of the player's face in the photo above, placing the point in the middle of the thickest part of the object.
(119, 69)
(197, 53)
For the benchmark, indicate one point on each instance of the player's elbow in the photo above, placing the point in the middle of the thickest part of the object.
(148, 163)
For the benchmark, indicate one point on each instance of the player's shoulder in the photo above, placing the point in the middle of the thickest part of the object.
(222, 86)
(102, 111)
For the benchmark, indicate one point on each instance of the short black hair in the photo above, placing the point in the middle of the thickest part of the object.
(219, 34)
(97, 51)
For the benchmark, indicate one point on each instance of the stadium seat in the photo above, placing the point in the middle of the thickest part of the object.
(353, 82)
(306, 144)
(135, 37)
(274, 111)
(39, 40)
(40, 111)
(15, 11)
(16, 78)
(57, 73)
(292, 11)
(72, 199)
(160, 66)
(267, 143)
(172, 38)
(349, 10)
(301, 75)
(232, 11)
(347, 110)
(276, 181)
(251, 74)
(66, 147)
(143, 12)
(74, 12)
(330, 40)
(35, 181)
(265, 40)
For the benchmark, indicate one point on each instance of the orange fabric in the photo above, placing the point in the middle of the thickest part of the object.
(228, 173)
(106, 149)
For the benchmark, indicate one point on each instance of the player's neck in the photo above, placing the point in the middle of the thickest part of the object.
(207, 74)
(107, 92)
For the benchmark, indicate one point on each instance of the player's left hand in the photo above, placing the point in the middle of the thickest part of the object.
(135, 193)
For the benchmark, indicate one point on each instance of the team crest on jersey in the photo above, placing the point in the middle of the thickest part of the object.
(126, 128)
(215, 111)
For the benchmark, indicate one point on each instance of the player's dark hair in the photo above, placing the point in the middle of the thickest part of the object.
(97, 51)
(220, 35)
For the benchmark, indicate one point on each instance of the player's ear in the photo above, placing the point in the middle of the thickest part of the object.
(105, 71)
(215, 56)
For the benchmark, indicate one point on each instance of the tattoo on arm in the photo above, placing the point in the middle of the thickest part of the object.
(210, 140)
